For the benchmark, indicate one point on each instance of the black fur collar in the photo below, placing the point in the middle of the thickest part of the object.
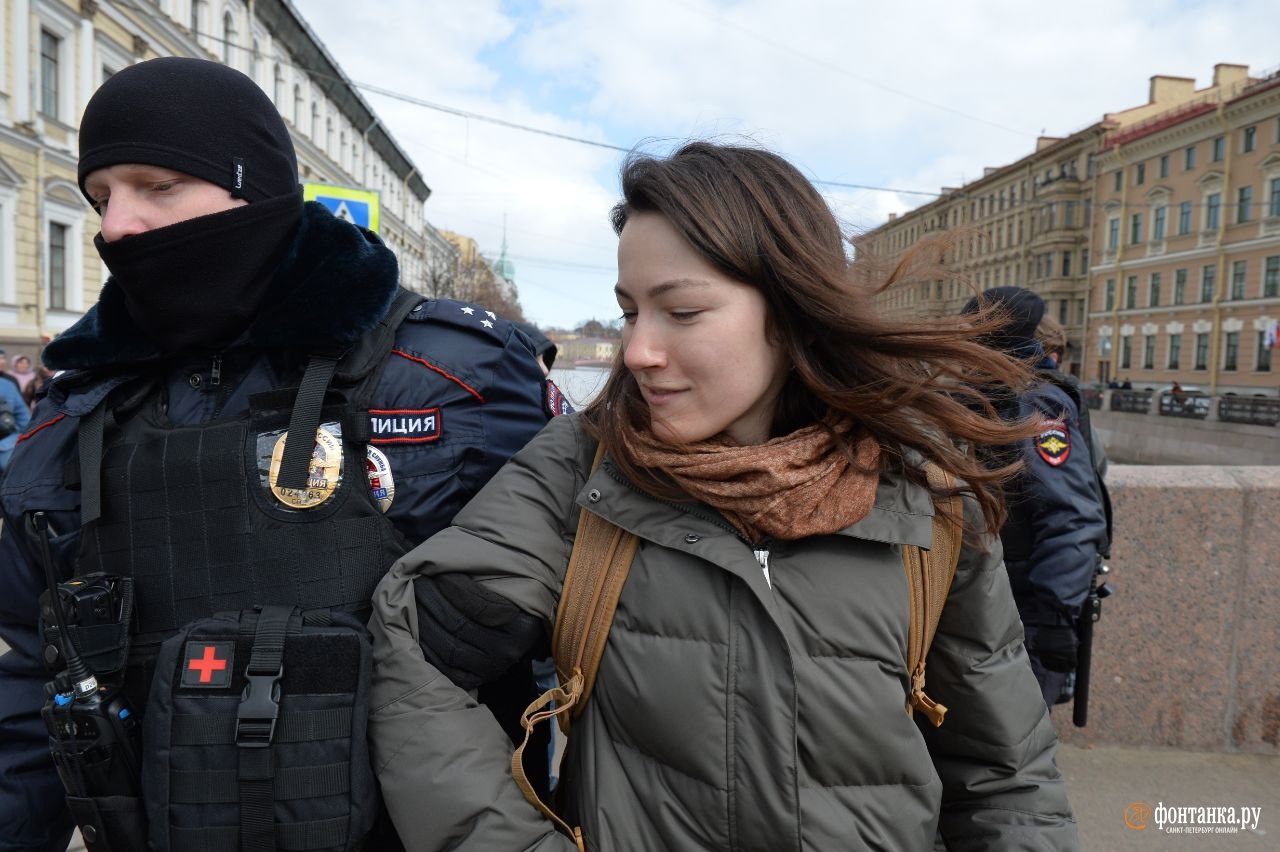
(335, 283)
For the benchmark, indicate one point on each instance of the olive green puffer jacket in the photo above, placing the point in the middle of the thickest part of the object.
(731, 711)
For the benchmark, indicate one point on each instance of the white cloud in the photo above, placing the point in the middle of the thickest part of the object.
(840, 88)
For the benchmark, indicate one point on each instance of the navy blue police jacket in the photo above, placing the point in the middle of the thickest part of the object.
(1056, 527)
(459, 392)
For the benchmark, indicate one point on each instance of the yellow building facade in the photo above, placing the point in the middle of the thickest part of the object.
(1047, 222)
(1187, 281)
(53, 56)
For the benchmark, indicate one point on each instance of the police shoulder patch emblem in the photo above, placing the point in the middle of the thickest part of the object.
(1054, 441)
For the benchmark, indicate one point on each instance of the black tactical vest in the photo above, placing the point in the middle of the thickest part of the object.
(195, 515)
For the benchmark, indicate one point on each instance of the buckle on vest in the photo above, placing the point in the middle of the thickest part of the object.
(259, 707)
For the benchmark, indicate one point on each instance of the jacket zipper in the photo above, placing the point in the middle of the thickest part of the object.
(215, 371)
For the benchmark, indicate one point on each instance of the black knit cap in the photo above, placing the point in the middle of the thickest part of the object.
(1022, 309)
(194, 116)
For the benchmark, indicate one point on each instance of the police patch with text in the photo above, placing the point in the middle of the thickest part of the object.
(554, 402)
(404, 425)
(1053, 442)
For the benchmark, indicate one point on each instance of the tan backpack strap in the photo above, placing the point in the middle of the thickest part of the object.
(929, 576)
(598, 568)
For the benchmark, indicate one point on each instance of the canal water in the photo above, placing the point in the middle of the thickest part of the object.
(581, 385)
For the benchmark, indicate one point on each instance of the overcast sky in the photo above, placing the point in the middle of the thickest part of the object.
(902, 94)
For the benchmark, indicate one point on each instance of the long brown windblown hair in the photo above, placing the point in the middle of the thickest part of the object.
(910, 384)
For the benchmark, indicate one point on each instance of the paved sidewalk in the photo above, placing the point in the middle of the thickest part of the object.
(1104, 781)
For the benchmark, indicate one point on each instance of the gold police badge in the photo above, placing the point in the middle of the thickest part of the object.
(323, 474)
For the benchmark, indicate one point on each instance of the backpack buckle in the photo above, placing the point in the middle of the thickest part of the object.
(258, 710)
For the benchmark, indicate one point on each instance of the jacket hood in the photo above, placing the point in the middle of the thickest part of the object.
(335, 282)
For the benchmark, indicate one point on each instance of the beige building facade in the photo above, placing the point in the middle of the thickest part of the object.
(1046, 222)
(53, 56)
(1187, 279)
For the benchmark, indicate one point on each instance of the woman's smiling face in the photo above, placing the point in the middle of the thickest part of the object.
(694, 339)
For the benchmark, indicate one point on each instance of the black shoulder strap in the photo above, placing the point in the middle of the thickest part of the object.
(356, 426)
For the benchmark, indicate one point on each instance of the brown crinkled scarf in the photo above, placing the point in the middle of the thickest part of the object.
(789, 488)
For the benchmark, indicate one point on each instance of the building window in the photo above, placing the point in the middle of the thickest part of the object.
(297, 105)
(1135, 229)
(1175, 351)
(1149, 352)
(1109, 296)
(255, 60)
(1239, 271)
(1062, 311)
(1184, 217)
(1213, 211)
(1208, 282)
(1231, 351)
(1126, 352)
(1113, 234)
(1157, 222)
(1263, 363)
(315, 121)
(1273, 207)
(1180, 286)
(1066, 264)
(1202, 352)
(278, 91)
(1154, 291)
(1140, 174)
(1119, 181)
(196, 9)
(1250, 140)
(1219, 148)
(1271, 278)
(1069, 216)
(1244, 204)
(1131, 292)
(1164, 165)
(228, 39)
(50, 47)
(58, 266)
(1189, 158)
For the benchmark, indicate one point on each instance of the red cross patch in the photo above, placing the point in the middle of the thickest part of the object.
(207, 665)
(1054, 441)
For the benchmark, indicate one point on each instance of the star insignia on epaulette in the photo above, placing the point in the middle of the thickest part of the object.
(468, 310)
(486, 323)
(492, 315)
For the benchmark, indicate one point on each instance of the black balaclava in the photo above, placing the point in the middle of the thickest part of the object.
(196, 284)
(1022, 310)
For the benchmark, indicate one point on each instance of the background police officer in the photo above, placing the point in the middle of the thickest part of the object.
(1056, 527)
(242, 335)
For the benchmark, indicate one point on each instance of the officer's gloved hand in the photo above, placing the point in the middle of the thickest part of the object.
(469, 632)
(1055, 646)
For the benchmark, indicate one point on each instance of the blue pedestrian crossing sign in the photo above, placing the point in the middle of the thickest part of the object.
(358, 206)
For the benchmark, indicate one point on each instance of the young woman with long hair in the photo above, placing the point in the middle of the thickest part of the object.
(764, 433)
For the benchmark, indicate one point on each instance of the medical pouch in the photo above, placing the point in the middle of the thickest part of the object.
(254, 735)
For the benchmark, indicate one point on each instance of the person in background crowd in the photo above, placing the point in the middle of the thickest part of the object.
(543, 347)
(232, 310)
(32, 391)
(14, 423)
(1056, 529)
(764, 431)
(5, 375)
(22, 372)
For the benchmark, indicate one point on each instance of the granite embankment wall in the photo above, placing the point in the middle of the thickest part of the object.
(1187, 654)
